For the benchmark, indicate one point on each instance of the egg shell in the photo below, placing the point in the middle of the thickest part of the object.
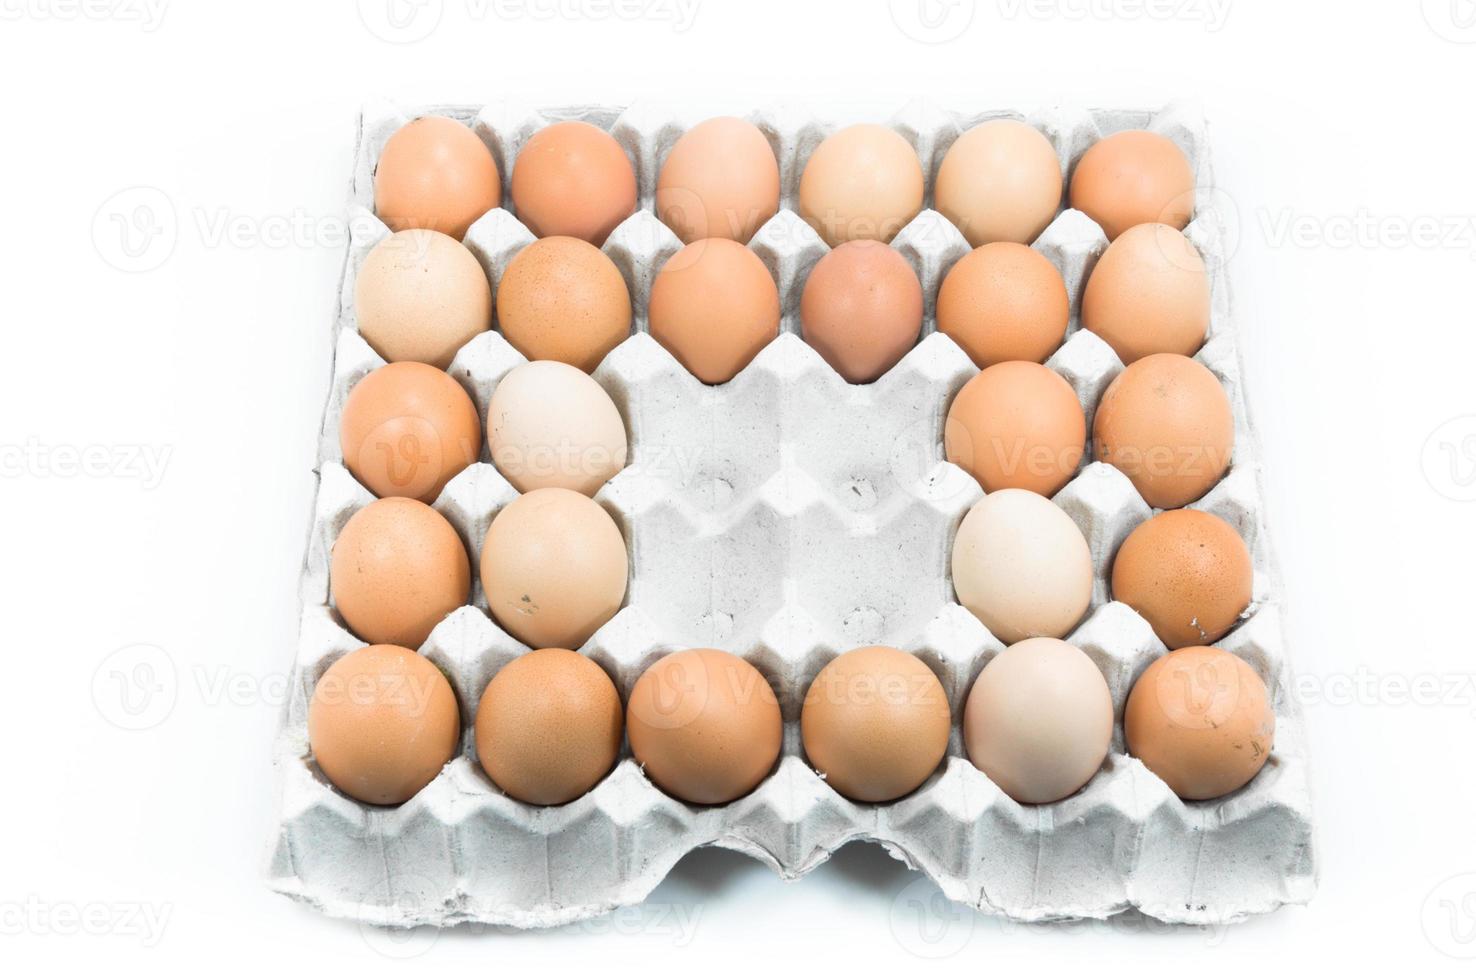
(1165, 422)
(382, 723)
(1148, 294)
(704, 725)
(1016, 424)
(421, 296)
(549, 726)
(572, 178)
(562, 299)
(714, 305)
(435, 173)
(1200, 719)
(1004, 302)
(999, 182)
(1188, 573)
(550, 425)
(720, 180)
(1133, 177)
(864, 181)
(875, 723)
(862, 309)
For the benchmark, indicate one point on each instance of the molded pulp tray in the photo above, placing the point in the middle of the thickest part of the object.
(788, 517)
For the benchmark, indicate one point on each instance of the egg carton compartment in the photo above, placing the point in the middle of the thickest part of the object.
(787, 516)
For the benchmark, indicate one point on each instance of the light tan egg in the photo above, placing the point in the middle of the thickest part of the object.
(704, 725)
(1004, 302)
(421, 296)
(572, 178)
(864, 181)
(407, 429)
(1201, 720)
(548, 727)
(714, 306)
(862, 309)
(1133, 177)
(999, 182)
(398, 569)
(1165, 422)
(435, 173)
(554, 568)
(1016, 424)
(382, 723)
(720, 180)
(562, 299)
(1148, 294)
(875, 723)
(552, 425)
(1188, 573)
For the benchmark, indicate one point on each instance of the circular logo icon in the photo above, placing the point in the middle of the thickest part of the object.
(135, 688)
(1199, 691)
(932, 21)
(673, 694)
(1449, 459)
(917, 464)
(136, 229)
(407, 891)
(1452, 20)
(403, 454)
(1448, 916)
(401, 21)
(1207, 207)
(927, 923)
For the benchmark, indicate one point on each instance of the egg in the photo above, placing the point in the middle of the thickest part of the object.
(1165, 422)
(1038, 720)
(382, 723)
(1188, 573)
(398, 569)
(704, 725)
(1200, 719)
(573, 179)
(714, 306)
(554, 568)
(1133, 177)
(1148, 294)
(875, 723)
(407, 429)
(862, 309)
(551, 425)
(864, 181)
(562, 299)
(720, 180)
(999, 182)
(421, 296)
(435, 173)
(1016, 424)
(1022, 566)
(1004, 302)
(549, 726)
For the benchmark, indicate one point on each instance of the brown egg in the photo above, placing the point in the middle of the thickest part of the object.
(1000, 182)
(407, 429)
(714, 306)
(1004, 302)
(382, 723)
(549, 726)
(1188, 573)
(1165, 422)
(421, 296)
(704, 725)
(875, 723)
(435, 173)
(554, 568)
(862, 309)
(1148, 294)
(398, 569)
(720, 180)
(1200, 719)
(1133, 177)
(864, 181)
(573, 179)
(1016, 424)
(562, 299)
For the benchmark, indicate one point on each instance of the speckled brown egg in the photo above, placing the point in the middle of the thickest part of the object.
(720, 180)
(1133, 177)
(573, 179)
(382, 723)
(875, 723)
(554, 568)
(999, 182)
(562, 299)
(862, 309)
(398, 569)
(435, 173)
(1016, 424)
(1148, 294)
(704, 725)
(1165, 422)
(1188, 573)
(549, 726)
(421, 296)
(714, 306)
(864, 181)
(407, 429)
(1004, 302)
(1201, 720)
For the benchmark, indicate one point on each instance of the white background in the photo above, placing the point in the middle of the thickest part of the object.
(1344, 138)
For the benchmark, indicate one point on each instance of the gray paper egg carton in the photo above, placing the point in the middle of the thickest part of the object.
(788, 517)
